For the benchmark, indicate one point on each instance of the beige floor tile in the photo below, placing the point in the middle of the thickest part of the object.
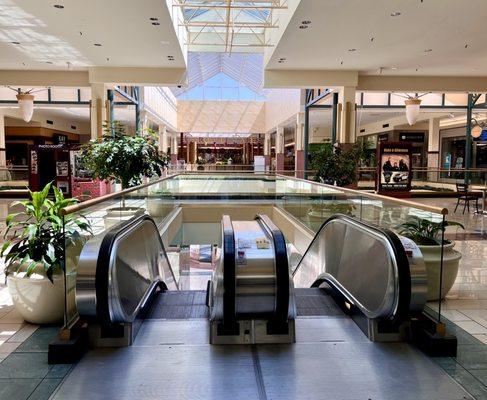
(12, 317)
(482, 338)
(472, 327)
(8, 347)
(455, 315)
(23, 334)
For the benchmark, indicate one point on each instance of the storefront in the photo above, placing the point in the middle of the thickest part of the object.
(453, 149)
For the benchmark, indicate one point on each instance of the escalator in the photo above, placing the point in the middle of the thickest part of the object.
(350, 268)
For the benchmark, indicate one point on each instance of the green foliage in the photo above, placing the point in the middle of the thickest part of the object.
(424, 232)
(123, 158)
(38, 233)
(334, 164)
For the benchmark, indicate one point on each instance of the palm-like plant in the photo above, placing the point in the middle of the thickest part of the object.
(425, 232)
(40, 234)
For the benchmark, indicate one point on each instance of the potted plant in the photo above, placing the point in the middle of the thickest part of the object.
(159, 202)
(337, 165)
(34, 257)
(123, 159)
(427, 235)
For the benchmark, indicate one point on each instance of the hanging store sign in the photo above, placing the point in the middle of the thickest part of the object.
(412, 137)
(394, 168)
(383, 137)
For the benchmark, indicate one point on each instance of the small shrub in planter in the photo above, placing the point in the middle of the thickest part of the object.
(34, 257)
(427, 235)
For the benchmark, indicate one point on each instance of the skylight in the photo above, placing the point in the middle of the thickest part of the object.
(239, 77)
(228, 26)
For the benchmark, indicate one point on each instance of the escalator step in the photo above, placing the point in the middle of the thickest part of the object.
(316, 302)
(179, 305)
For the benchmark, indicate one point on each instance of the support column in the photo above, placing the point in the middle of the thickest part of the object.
(346, 129)
(433, 148)
(280, 148)
(299, 146)
(3, 151)
(267, 150)
(98, 109)
(174, 150)
(162, 142)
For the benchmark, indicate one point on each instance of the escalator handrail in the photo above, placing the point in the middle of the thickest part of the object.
(401, 265)
(229, 274)
(104, 265)
(281, 307)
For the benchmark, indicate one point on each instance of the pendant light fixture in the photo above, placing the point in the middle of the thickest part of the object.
(413, 105)
(26, 105)
(477, 128)
(25, 100)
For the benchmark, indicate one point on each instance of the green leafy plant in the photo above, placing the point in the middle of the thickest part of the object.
(425, 232)
(334, 164)
(37, 232)
(123, 158)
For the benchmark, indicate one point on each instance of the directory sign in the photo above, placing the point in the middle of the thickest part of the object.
(394, 168)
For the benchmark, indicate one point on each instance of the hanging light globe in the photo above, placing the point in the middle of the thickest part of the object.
(412, 110)
(26, 105)
(476, 131)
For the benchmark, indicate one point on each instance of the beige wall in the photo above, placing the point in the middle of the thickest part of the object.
(162, 105)
(281, 105)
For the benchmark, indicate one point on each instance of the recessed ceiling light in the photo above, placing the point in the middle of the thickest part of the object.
(58, 6)
(341, 62)
(280, 61)
(395, 14)
(48, 62)
(428, 50)
(156, 23)
(303, 26)
(97, 44)
(372, 39)
(466, 45)
(306, 22)
(154, 19)
(15, 42)
(352, 50)
(394, 68)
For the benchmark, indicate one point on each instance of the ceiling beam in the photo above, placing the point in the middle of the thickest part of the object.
(442, 84)
(306, 79)
(44, 78)
(138, 76)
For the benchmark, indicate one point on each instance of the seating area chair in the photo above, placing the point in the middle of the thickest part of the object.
(464, 196)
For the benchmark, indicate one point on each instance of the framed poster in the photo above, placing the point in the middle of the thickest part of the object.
(394, 168)
(62, 168)
(33, 162)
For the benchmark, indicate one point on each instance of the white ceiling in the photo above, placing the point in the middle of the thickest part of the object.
(444, 26)
(122, 27)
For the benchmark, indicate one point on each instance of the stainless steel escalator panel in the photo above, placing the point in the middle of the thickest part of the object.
(119, 270)
(360, 262)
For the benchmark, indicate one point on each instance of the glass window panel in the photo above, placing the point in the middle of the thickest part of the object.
(375, 99)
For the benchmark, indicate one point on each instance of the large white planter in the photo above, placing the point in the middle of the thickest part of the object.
(159, 207)
(432, 259)
(36, 298)
(117, 214)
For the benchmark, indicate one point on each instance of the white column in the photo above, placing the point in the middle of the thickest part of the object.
(3, 156)
(280, 140)
(299, 133)
(162, 143)
(267, 144)
(174, 145)
(346, 124)
(433, 147)
(98, 109)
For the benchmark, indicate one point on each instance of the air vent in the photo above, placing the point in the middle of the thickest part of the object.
(362, 130)
(385, 126)
(73, 127)
(50, 122)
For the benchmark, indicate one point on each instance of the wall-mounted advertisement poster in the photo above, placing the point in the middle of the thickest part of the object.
(394, 168)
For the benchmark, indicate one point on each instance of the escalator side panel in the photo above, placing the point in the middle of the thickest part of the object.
(119, 271)
(367, 265)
